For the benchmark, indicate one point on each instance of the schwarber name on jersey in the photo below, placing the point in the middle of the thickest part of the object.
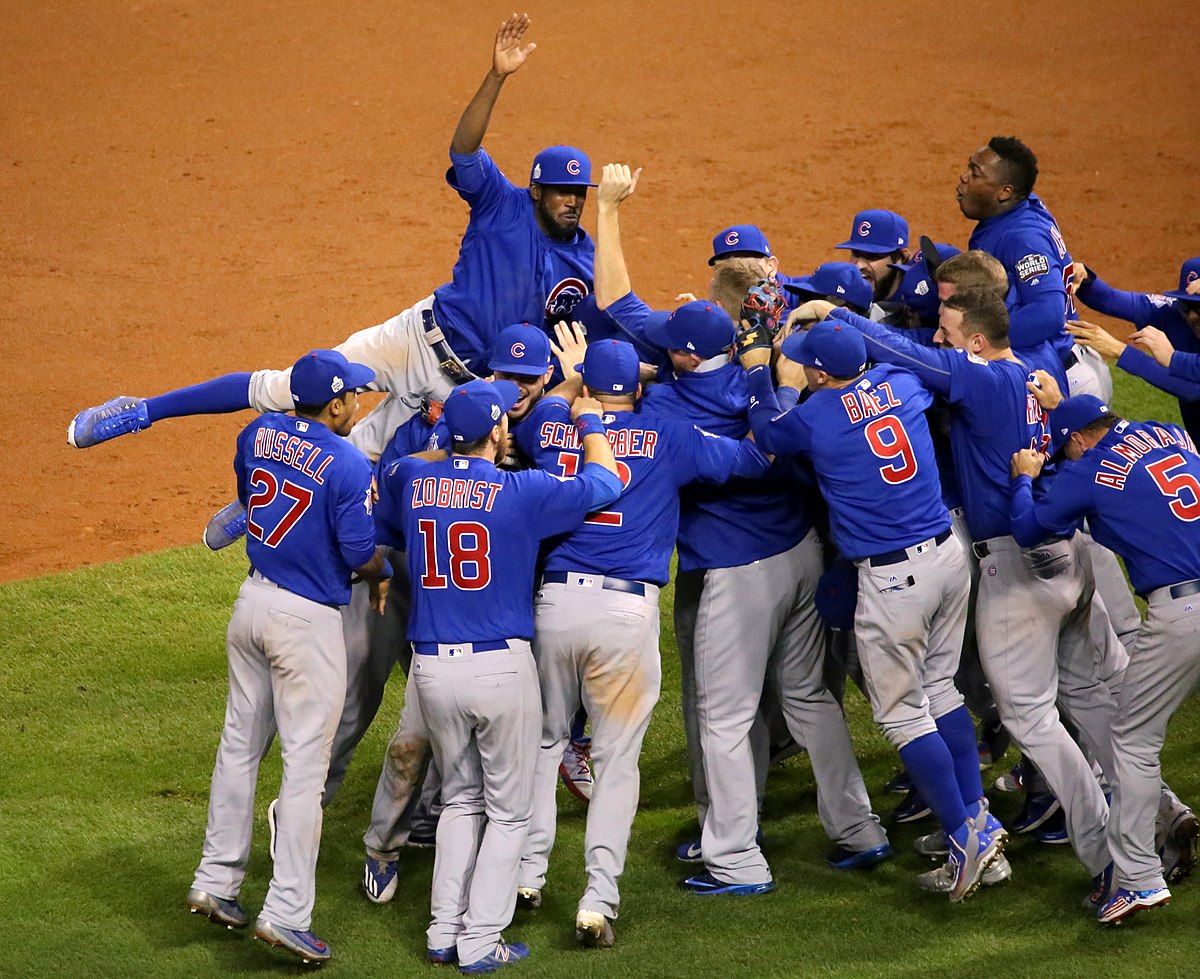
(307, 494)
(508, 269)
(1139, 487)
(473, 533)
(872, 452)
(655, 455)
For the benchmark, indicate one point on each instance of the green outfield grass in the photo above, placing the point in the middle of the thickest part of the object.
(113, 688)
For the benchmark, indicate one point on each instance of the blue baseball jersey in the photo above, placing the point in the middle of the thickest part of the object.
(1027, 242)
(768, 512)
(992, 415)
(307, 494)
(414, 435)
(870, 447)
(655, 455)
(473, 533)
(508, 269)
(1139, 488)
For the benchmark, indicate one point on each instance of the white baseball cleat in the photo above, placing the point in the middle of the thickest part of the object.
(593, 930)
(575, 770)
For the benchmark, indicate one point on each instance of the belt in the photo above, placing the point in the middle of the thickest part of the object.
(1185, 588)
(901, 554)
(582, 577)
(982, 550)
(1070, 361)
(263, 579)
(451, 366)
(433, 648)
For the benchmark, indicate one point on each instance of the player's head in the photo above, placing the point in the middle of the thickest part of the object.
(693, 333)
(558, 183)
(476, 414)
(918, 288)
(746, 242)
(833, 355)
(1077, 424)
(610, 371)
(1189, 303)
(730, 282)
(837, 282)
(324, 387)
(998, 177)
(976, 322)
(973, 271)
(878, 241)
(521, 354)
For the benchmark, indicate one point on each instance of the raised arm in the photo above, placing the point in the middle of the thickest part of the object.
(612, 277)
(507, 56)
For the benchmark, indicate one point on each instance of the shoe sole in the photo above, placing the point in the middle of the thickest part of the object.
(864, 860)
(736, 890)
(596, 935)
(217, 917)
(984, 864)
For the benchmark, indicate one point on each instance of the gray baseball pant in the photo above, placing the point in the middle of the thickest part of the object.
(1163, 669)
(909, 626)
(753, 619)
(598, 647)
(287, 672)
(1028, 628)
(484, 716)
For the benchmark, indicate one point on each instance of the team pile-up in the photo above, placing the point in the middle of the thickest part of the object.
(900, 469)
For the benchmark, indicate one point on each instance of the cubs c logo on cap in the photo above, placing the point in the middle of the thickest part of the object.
(1192, 276)
(518, 350)
(732, 238)
(573, 168)
(864, 229)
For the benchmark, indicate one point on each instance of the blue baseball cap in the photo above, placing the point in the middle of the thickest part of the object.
(475, 408)
(835, 280)
(739, 239)
(699, 327)
(321, 375)
(610, 367)
(1071, 415)
(839, 351)
(521, 349)
(917, 289)
(562, 166)
(877, 232)
(1189, 272)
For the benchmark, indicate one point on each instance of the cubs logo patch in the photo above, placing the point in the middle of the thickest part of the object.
(573, 168)
(1192, 276)
(732, 238)
(864, 229)
(563, 298)
(517, 350)
(1032, 265)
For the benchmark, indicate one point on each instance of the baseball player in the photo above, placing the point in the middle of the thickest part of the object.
(996, 190)
(745, 244)
(878, 242)
(523, 258)
(1033, 608)
(866, 434)
(308, 496)
(1138, 483)
(1176, 313)
(522, 356)
(838, 282)
(472, 532)
(597, 618)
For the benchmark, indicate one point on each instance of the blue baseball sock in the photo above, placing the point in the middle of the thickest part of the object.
(229, 392)
(958, 732)
(931, 768)
(579, 724)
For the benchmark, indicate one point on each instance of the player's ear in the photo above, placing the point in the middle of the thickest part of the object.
(535, 192)
(772, 266)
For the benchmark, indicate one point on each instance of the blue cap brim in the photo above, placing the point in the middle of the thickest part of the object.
(359, 376)
(1184, 295)
(654, 328)
(870, 249)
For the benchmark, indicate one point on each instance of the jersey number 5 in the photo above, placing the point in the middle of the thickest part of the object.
(1172, 486)
(469, 547)
(301, 500)
(888, 440)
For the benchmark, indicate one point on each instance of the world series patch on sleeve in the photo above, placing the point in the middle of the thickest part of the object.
(1032, 265)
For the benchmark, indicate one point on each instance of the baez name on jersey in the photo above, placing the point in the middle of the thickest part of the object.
(292, 451)
(1131, 448)
(625, 442)
(454, 492)
(863, 401)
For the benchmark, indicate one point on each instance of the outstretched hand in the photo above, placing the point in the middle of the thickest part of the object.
(1154, 342)
(1099, 339)
(570, 348)
(617, 182)
(510, 53)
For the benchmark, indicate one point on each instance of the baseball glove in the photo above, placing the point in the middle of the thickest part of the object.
(762, 310)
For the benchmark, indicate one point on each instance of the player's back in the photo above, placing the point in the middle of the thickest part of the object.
(307, 496)
(875, 462)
